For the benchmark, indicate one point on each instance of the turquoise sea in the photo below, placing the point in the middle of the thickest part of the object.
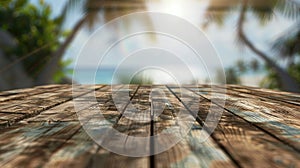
(91, 76)
(105, 76)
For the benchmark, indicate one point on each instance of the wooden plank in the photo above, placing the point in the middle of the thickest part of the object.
(66, 111)
(35, 104)
(120, 123)
(4, 123)
(44, 146)
(45, 141)
(21, 93)
(190, 151)
(88, 154)
(35, 149)
(196, 154)
(75, 152)
(280, 110)
(207, 153)
(280, 121)
(91, 104)
(60, 113)
(166, 128)
(112, 160)
(205, 89)
(260, 93)
(9, 118)
(133, 122)
(29, 107)
(265, 90)
(269, 97)
(292, 98)
(246, 144)
(250, 133)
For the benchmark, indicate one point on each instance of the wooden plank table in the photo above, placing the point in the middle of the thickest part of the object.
(258, 128)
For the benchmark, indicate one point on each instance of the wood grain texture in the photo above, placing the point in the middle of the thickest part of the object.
(126, 126)
(17, 109)
(32, 144)
(174, 121)
(276, 119)
(246, 144)
(41, 127)
(278, 96)
(21, 93)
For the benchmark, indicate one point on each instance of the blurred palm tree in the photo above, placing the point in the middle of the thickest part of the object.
(288, 48)
(28, 36)
(288, 44)
(92, 10)
(264, 12)
(232, 76)
(287, 82)
(140, 78)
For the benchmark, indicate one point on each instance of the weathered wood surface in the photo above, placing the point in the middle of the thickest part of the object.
(258, 128)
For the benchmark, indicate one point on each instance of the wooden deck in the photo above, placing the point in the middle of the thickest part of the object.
(258, 128)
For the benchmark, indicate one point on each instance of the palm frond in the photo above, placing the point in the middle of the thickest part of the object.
(72, 5)
(288, 44)
(289, 8)
(69, 7)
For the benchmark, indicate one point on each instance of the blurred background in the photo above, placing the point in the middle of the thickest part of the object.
(257, 41)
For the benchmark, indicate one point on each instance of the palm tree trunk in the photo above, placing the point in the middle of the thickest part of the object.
(46, 75)
(287, 82)
(16, 77)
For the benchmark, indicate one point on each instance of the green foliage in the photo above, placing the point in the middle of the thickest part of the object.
(254, 65)
(232, 76)
(63, 71)
(34, 29)
(294, 71)
(272, 80)
(240, 67)
(139, 78)
(288, 46)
